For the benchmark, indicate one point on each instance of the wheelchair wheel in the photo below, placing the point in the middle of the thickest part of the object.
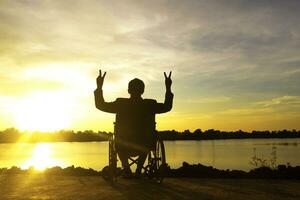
(110, 172)
(157, 162)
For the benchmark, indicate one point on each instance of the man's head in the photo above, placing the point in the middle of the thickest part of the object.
(136, 87)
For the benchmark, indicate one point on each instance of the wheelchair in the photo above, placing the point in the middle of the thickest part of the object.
(154, 167)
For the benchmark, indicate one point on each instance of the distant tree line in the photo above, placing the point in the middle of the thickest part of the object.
(14, 135)
(212, 134)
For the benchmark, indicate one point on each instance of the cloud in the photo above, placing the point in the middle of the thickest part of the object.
(279, 106)
(281, 101)
(232, 52)
(209, 100)
(248, 112)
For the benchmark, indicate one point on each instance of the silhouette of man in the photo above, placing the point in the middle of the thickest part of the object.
(135, 119)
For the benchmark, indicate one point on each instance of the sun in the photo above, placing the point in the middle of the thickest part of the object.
(41, 158)
(42, 112)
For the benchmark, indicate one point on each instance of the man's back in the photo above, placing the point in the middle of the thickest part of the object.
(136, 114)
(135, 123)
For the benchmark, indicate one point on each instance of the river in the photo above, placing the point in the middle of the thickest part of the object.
(222, 154)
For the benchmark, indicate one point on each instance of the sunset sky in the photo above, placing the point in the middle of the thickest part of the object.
(235, 63)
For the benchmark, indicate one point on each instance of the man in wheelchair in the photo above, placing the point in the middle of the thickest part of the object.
(135, 133)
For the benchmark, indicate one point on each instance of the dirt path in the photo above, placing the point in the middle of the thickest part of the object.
(16, 187)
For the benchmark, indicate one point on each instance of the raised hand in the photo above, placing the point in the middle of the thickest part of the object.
(168, 80)
(100, 79)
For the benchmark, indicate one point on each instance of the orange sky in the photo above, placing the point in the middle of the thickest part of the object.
(235, 64)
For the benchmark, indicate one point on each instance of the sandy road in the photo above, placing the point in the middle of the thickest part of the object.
(17, 187)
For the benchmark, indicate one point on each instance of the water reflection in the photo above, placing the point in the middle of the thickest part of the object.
(281, 143)
(232, 154)
(223, 154)
(42, 158)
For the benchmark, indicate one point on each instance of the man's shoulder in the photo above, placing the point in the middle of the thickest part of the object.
(127, 100)
(122, 99)
(150, 101)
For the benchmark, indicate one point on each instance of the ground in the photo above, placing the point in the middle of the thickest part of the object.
(17, 187)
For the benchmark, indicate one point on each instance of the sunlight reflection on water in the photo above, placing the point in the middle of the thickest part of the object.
(42, 158)
(223, 154)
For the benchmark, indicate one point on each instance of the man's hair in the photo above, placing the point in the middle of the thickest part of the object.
(136, 86)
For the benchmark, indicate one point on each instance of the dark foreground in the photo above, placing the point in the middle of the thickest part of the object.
(39, 186)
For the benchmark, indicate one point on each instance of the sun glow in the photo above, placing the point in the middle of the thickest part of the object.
(41, 158)
(43, 112)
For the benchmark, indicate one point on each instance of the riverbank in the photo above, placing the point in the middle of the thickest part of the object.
(39, 186)
(186, 170)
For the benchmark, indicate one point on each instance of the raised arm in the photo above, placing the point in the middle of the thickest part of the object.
(168, 103)
(99, 100)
